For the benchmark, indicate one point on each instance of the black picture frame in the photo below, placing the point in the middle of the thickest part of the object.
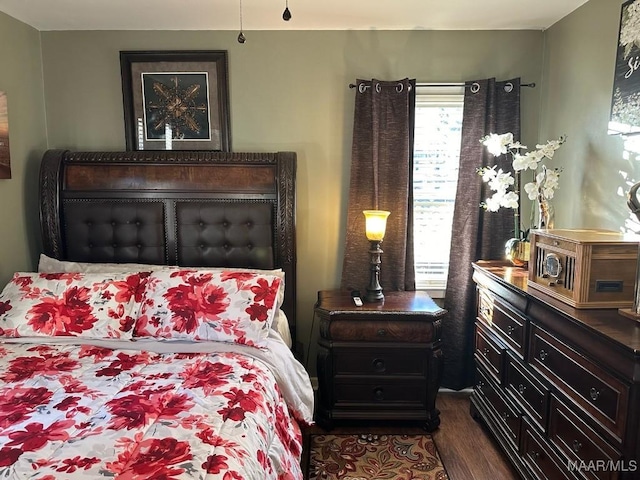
(176, 100)
(625, 99)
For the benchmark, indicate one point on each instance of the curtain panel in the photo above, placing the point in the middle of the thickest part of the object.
(381, 179)
(489, 107)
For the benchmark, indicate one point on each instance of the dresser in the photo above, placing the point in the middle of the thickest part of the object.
(378, 361)
(558, 387)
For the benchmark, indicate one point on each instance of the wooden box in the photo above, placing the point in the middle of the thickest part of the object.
(584, 268)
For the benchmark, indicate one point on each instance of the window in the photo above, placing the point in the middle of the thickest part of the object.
(436, 157)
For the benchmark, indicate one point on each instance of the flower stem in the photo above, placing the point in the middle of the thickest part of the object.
(516, 213)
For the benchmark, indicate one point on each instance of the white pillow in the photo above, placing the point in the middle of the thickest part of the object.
(51, 265)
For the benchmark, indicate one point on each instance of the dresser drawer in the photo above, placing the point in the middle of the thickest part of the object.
(489, 352)
(530, 393)
(380, 360)
(507, 323)
(505, 414)
(601, 394)
(540, 457)
(367, 330)
(380, 392)
(580, 443)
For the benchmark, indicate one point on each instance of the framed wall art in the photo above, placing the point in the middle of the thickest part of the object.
(176, 100)
(625, 102)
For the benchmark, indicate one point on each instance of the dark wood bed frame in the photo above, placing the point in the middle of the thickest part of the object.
(187, 208)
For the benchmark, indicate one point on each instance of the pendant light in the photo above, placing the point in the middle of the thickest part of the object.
(241, 37)
(286, 15)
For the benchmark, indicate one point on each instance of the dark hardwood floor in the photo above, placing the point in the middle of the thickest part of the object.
(465, 446)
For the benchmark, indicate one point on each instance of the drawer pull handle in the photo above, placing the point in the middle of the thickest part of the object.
(485, 351)
(576, 445)
(543, 355)
(521, 388)
(381, 332)
(510, 329)
(594, 394)
(378, 365)
(378, 394)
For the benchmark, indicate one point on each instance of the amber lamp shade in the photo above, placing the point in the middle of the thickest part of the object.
(375, 227)
(375, 224)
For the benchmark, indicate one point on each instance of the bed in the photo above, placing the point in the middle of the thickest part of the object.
(157, 339)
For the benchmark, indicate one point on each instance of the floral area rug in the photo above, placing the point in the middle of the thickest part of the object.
(379, 457)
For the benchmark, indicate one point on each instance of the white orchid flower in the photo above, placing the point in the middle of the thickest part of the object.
(492, 204)
(532, 190)
(546, 180)
(497, 144)
(528, 161)
(502, 181)
(510, 200)
(488, 173)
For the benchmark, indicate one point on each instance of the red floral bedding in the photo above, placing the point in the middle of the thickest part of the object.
(83, 411)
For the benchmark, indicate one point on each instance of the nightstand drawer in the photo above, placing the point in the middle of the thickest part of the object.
(380, 392)
(367, 330)
(379, 361)
(602, 395)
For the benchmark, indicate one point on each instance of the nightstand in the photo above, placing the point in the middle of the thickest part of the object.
(380, 361)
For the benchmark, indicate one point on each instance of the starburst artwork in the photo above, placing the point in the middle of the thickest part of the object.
(176, 106)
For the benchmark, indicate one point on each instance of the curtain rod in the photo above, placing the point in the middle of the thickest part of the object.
(474, 86)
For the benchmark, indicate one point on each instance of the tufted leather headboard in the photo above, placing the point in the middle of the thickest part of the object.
(182, 208)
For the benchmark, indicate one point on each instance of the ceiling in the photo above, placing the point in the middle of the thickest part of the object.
(306, 14)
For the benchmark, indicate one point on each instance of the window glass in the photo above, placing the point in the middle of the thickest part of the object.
(435, 176)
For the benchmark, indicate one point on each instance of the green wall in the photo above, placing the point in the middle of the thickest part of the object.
(580, 55)
(288, 91)
(21, 80)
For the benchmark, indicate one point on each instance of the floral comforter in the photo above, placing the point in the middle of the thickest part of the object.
(87, 411)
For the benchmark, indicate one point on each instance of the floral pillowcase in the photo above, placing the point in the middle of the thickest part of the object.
(71, 305)
(225, 306)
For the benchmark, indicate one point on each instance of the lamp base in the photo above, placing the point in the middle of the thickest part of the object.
(374, 296)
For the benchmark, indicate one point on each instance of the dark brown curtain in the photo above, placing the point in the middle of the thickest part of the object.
(381, 179)
(489, 107)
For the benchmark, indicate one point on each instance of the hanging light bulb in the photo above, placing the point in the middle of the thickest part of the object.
(241, 37)
(286, 15)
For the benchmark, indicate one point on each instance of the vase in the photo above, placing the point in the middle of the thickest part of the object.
(517, 252)
(545, 213)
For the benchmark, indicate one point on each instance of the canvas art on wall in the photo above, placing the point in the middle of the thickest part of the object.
(176, 100)
(625, 104)
(5, 161)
